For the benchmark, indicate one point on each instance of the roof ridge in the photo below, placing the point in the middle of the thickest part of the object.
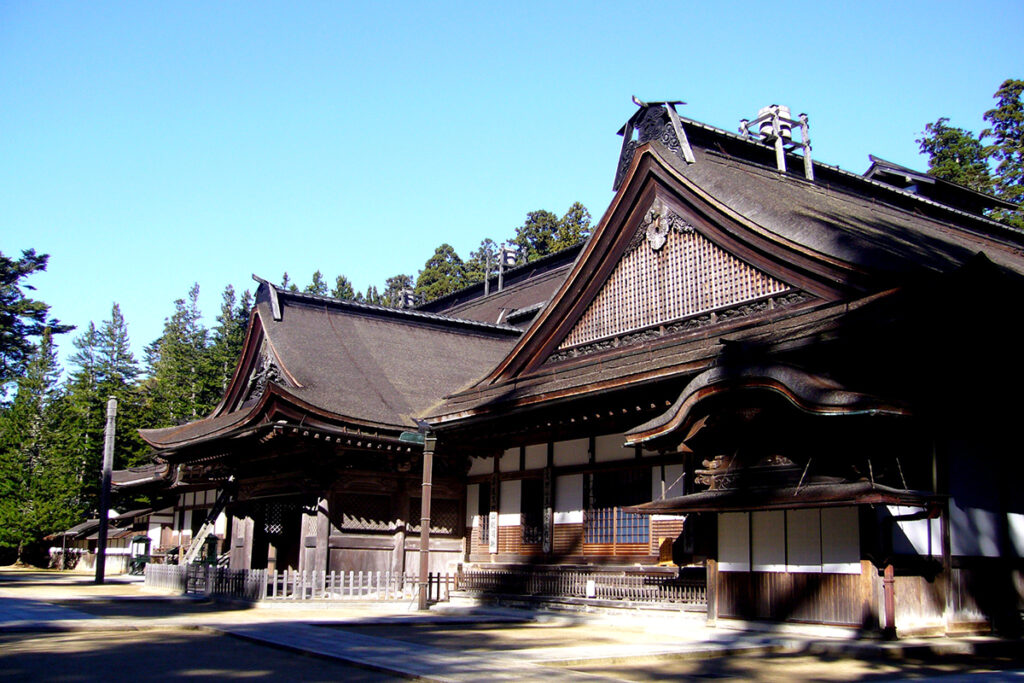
(396, 312)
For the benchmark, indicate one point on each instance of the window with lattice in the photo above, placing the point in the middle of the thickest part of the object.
(688, 276)
(444, 516)
(364, 512)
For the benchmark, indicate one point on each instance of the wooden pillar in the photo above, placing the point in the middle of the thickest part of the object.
(401, 525)
(889, 593)
(429, 443)
(241, 542)
(492, 515)
(307, 541)
(712, 591)
(322, 553)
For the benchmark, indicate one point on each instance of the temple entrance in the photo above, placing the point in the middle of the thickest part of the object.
(276, 536)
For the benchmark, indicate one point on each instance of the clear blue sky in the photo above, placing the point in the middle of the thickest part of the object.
(146, 146)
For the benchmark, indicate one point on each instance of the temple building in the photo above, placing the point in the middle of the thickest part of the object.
(791, 383)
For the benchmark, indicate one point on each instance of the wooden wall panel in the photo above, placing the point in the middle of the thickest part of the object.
(567, 539)
(816, 598)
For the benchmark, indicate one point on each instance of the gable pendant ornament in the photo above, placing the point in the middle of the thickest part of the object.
(659, 221)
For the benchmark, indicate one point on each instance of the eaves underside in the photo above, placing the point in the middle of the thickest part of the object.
(636, 366)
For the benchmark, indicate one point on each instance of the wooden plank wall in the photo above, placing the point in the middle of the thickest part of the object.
(816, 598)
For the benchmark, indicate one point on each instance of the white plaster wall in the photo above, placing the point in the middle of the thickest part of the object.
(571, 452)
(840, 540)
(536, 456)
(984, 507)
(472, 505)
(569, 499)
(610, 447)
(921, 536)
(510, 460)
(480, 466)
(803, 541)
(733, 542)
(511, 492)
(768, 541)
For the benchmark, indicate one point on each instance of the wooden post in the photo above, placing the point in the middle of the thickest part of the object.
(711, 592)
(108, 466)
(889, 590)
(429, 442)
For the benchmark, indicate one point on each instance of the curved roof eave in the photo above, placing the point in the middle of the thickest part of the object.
(807, 392)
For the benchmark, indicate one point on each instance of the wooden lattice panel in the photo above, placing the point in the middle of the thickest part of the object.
(689, 275)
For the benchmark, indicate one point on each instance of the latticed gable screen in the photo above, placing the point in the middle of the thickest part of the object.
(689, 275)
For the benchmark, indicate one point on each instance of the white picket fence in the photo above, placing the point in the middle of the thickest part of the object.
(260, 584)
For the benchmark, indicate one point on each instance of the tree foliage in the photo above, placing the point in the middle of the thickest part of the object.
(343, 289)
(443, 273)
(957, 155)
(21, 317)
(38, 490)
(1007, 133)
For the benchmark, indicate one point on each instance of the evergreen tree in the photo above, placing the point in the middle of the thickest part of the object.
(483, 260)
(393, 288)
(373, 296)
(536, 236)
(318, 286)
(343, 289)
(38, 494)
(286, 283)
(182, 385)
(229, 336)
(21, 318)
(1007, 133)
(956, 155)
(443, 273)
(573, 227)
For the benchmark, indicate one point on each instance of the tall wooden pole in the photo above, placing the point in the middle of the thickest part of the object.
(108, 465)
(428, 475)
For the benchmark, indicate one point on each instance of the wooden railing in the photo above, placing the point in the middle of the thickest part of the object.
(260, 584)
(564, 583)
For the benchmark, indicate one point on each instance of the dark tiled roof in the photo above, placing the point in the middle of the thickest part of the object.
(381, 366)
(846, 225)
(358, 362)
(524, 288)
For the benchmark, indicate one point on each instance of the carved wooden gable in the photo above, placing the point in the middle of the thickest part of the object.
(669, 272)
(264, 371)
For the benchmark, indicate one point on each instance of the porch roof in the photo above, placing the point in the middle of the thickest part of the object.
(814, 495)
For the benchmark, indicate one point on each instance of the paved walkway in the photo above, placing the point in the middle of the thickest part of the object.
(446, 644)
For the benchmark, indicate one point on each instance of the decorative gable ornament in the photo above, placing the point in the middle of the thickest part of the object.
(659, 221)
(264, 372)
(670, 278)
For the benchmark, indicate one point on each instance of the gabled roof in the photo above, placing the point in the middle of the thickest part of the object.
(832, 241)
(525, 290)
(343, 362)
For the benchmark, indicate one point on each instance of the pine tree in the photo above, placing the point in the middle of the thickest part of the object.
(287, 284)
(229, 336)
(1007, 133)
(956, 155)
(21, 318)
(182, 384)
(482, 261)
(573, 227)
(318, 286)
(38, 492)
(443, 273)
(536, 236)
(343, 289)
(393, 288)
(373, 296)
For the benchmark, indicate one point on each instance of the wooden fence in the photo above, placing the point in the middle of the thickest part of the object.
(260, 584)
(649, 588)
